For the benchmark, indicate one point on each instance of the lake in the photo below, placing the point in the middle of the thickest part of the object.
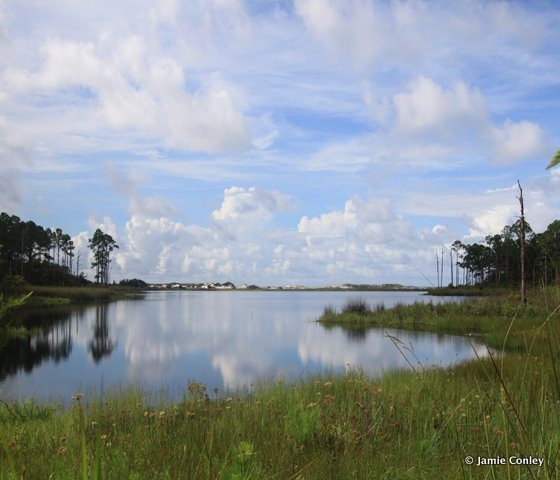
(225, 339)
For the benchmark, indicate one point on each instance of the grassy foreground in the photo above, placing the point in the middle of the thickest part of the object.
(406, 425)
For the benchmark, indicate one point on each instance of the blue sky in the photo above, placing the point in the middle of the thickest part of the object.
(274, 142)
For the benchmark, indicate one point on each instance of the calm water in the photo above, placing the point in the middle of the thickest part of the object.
(224, 339)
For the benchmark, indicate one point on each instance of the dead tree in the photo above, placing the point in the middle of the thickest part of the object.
(522, 245)
(437, 267)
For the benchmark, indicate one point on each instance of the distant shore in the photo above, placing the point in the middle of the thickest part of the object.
(347, 287)
(47, 295)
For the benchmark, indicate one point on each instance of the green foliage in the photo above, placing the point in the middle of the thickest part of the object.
(133, 282)
(102, 245)
(27, 411)
(356, 305)
(497, 262)
(39, 255)
(243, 462)
(7, 304)
(487, 317)
(301, 422)
(555, 160)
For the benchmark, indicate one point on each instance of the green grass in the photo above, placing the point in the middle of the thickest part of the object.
(466, 291)
(7, 304)
(407, 425)
(499, 320)
(7, 331)
(45, 296)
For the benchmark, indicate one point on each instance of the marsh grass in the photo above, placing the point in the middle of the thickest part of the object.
(356, 306)
(407, 425)
(43, 295)
(488, 317)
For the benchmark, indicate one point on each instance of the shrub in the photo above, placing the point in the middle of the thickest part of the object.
(356, 305)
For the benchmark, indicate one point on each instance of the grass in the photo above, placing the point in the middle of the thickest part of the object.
(406, 425)
(7, 304)
(488, 317)
(8, 331)
(466, 291)
(44, 296)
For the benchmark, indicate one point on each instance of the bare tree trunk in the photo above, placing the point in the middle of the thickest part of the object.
(522, 239)
(451, 266)
(437, 266)
(441, 266)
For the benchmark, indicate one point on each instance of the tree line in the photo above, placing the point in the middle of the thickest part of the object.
(46, 256)
(497, 260)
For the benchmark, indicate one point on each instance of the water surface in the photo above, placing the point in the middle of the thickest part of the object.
(225, 339)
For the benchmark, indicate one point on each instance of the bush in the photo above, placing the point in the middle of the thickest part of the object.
(134, 282)
(356, 305)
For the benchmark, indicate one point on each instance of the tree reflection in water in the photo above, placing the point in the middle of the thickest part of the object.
(101, 344)
(356, 334)
(51, 339)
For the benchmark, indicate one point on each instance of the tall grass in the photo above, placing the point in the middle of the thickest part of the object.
(6, 329)
(44, 295)
(356, 305)
(489, 317)
(406, 425)
(7, 304)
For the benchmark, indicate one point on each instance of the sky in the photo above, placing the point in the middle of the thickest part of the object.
(308, 142)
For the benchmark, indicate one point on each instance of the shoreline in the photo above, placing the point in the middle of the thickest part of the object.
(426, 423)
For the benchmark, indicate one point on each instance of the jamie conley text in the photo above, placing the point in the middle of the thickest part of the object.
(512, 460)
